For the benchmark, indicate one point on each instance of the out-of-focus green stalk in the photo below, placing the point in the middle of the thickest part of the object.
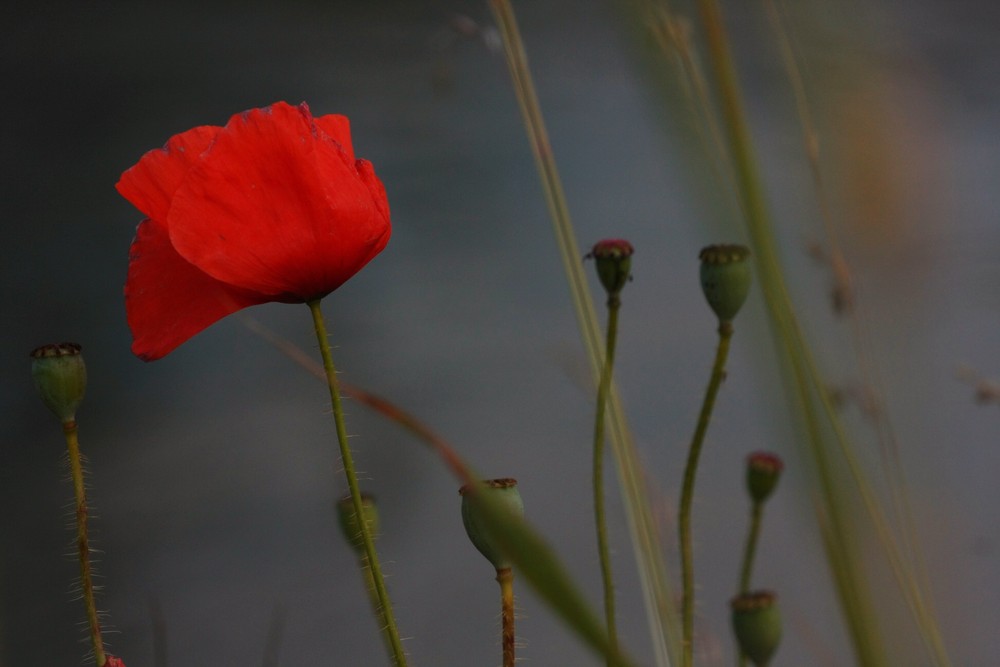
(851, 584)
(652, 570)
(908, 567)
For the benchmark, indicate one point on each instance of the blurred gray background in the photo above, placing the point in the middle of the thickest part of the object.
(213, 471)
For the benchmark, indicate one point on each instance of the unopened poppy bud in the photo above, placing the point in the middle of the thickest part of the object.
(503, 491)
(757, 625)
(61, 378)
(725, 278)
(763, 471)
(112, 661)
(349, 524)
(613, 258)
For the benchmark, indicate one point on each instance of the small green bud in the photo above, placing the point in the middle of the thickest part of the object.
(349, 525)
(61, 378)
(757, 625)
(503, 491)
(725, 278)
(613, 258)
(763, 471)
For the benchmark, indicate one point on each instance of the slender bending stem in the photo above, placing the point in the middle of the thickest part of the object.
(82, 541)
(687, 491)
(505, 577)
(614, 304)
(383, 610)
(749, 551)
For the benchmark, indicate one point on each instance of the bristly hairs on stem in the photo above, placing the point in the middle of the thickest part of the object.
(383, 610)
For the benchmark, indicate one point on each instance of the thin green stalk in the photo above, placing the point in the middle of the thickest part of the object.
(384, 608)
(687, 492)
(750, 549)
(604, 553)
(83, 541)
(657, 592)
(749, 552)
(851, 585)
(505, 577)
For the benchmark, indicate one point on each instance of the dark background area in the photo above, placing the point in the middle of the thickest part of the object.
(213, 471)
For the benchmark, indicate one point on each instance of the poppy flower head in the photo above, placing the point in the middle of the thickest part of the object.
(271, 207)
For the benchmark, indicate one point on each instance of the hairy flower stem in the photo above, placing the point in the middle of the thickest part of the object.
(368, 580)
(687, 492)
(83, 542)
(749, 551)
(383, 608)
(604, 554)
(505, 577)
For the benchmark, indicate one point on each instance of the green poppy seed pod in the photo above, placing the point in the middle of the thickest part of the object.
(61, 378)
(725, 278)
(613, 258)
(503, 491)
(757, 625)
(349, 525)
(763, 471)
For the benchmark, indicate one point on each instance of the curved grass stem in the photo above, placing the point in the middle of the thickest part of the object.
(383, 610)
(604, 553)
(687, 493)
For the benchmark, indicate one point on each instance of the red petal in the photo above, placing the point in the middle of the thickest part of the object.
(337, 128)
(276, 206)
(167, 300)
(151, 183)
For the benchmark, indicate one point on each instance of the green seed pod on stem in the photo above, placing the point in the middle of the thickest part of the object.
(503, 491)
(61, 378)
(757, 625)
(763, 472)
(349, 525)
(613, 258)
(725, 278)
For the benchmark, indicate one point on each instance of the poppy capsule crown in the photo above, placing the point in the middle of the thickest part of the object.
(614, 264)
(757, 625)
(61, 378)
(763, 471)
(725, 278)
(273, 206)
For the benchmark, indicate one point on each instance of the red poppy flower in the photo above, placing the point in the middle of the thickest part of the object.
(271, 207)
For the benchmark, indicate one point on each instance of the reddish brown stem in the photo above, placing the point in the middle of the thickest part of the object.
(505, 577)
